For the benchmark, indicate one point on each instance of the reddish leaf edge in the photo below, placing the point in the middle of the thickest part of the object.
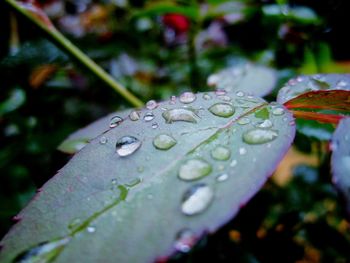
(320, 117)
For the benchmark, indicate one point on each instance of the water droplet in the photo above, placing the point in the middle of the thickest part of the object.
(292, 82)
(134, 115)
(187, 97)
(151, 104)
(103, 140)
(225, 98)
(264, 124)
(148, 116)
(115, 121)
(243, 121)
(114, 181)
(240, 94)
(220, 92)
(194, 169)
(44, 252)
(242, 151)
(342, 83)
(222, 110)
(221, 153)
(185, 240)
(222, 177)
(197, 199)
(127, 145)
(164, 142)
(213, 79)
(206, 96)
(278, 111)
(134, 182)
(91, 229)
(154, 125)
(233, 163)
(179, 114)
(172, 100)
(259, 136)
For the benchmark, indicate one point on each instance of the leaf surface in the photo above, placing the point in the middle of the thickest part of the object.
(247, 77)
(340, 159)
(148, 188)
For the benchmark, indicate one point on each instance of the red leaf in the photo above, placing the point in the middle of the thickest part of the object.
(177, 22)
(338, 100)
(321, 117)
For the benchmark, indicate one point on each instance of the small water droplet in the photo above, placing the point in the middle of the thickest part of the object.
(300, 78)
(179, 114)
(197, 199)
(187, 97)
(194, 169)
(278, 111)
(233, 163)
(240, 94)
(172, 100)
(206, 96)
(264, 124)
(220, 92)
(134, 115)
(342, 83)
(154, 125)
(259, 136)
(224, 98)
(243, 121)
(185, 240)
(127, 145)
(115, 121)
(134, 182)
(221, 153)
(114, 181)
(292, 82)
(222, 110)
(151, 104)
(103, 140)
(242, 151)
(222, 177)
(213, 79)
(91, 229)
(164, 142)
(148, 116)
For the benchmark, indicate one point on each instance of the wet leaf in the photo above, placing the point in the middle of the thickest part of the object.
(247, 77)
(340, 159)
(142, 191)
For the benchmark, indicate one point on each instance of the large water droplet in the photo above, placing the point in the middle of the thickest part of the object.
(134, 115)
(148, 116)
(164, 142)
(115, 121)
(185, 240)
(151, 104)
(44, 252)
(127, 145)
(187, 97)
(259, 136)
(179, 114)
(221, 153)
(197, 199)
(194, 169)
(222, 110)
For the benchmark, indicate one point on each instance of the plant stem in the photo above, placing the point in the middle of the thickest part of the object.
(75, 52)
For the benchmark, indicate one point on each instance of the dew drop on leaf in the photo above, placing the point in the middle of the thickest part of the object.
(197, 199)
(103, 140)
(148, 116)
(185, 240)
(221, 153)
(259, 136)
(194, 169)
(154, 125)
(164, 142)
(220, 92)
(278, 111)
(264, 124)
(222, 110)
(222, 177)
(115, 121)
(91, 229)
(243, 121)
(187, 97)
(134, 115)
(179, 114)
(151, 104)
(206, 96)
(240, 94)
(242, 151)
(127, 145)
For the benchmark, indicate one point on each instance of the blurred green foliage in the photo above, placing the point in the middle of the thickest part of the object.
(46, 96)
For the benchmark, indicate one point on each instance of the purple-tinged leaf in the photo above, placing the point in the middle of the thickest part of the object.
(247, 77)
(153, 186)
(340, 160)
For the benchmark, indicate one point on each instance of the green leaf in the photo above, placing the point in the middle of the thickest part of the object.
(340, 159)
(247, 77)
(153, 186)
(14, 101)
